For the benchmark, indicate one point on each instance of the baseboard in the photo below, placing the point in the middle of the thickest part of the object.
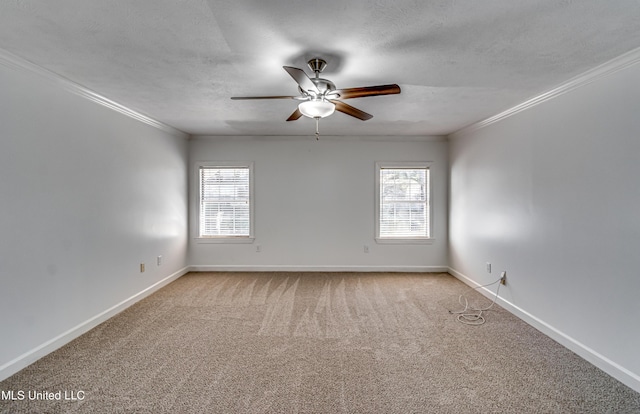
(318, 268)
(33, 355)
(615, 370)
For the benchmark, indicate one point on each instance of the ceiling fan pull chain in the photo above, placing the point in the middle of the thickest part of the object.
(317, 131)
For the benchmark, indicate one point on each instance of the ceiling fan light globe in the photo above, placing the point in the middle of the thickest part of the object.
(316, 109)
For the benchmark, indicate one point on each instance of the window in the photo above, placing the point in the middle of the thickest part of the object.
(403, 205)
(225, 202)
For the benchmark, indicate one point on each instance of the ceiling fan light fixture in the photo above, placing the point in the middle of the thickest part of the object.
(316, 108)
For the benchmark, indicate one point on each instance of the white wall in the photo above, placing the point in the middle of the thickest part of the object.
(551, 195)
(86, 195)
(314, 203)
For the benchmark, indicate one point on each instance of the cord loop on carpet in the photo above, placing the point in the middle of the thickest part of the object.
(475, 317)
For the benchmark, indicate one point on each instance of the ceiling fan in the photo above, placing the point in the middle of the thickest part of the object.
(319, 96)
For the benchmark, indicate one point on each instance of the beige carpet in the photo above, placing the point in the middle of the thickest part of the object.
(314, 343)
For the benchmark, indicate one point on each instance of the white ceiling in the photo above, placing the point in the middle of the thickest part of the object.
(457, 62)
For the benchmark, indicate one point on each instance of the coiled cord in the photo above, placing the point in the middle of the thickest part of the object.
(475, 316)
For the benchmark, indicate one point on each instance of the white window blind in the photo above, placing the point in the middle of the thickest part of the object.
(225, 202)
(404, 203)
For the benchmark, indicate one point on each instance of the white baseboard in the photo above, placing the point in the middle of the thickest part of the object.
(618, 372)
(33, 355)
(318, 268)
(615, 370)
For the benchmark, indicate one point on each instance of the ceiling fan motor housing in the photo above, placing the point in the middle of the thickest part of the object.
(323, 85)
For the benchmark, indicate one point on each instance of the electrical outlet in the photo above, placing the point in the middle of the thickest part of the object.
(159, 260)
(258, 248)
(488, 267)
(503, 278)
(366, 248)
(141, 267)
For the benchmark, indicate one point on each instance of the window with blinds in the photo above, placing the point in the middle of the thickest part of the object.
(225, 201)
(403, 210)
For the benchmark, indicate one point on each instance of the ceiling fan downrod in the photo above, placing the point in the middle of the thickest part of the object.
(317, 65)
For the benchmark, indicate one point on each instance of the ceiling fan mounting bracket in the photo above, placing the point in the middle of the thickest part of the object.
(317, 65)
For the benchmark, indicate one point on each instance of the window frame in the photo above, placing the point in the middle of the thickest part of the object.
(381, 165)
(197, 188)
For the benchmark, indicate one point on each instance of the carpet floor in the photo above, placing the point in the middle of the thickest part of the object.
(313, 343)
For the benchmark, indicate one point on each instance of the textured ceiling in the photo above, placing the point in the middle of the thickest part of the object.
(457, 62)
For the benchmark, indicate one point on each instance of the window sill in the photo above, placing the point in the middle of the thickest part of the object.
(404, 241)
(224, 240)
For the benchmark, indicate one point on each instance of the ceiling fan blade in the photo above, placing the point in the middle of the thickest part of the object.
(236, 98)
(350, 110)
(301, 78)
(295, 115)
(367, 91)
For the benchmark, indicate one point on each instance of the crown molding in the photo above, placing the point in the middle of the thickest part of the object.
(599, 72)
(15, 62)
